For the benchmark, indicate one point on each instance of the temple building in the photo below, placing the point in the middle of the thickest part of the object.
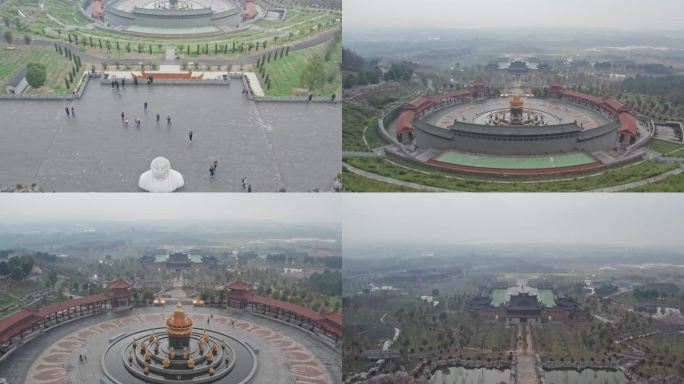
(525, 305)
(178, 261)
(119, 293)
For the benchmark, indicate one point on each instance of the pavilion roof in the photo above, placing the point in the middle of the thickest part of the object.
(405, 122)
(478, 83)
(334, 317)
(119, 284)
(238, 285)
(628, 124)
(615, 105)
(419, 104)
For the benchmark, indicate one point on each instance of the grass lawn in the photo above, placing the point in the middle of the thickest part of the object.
(57, 66)
(357, 115)
(671, 184)
(285, 72)
(355, 183)
(666, 147)
(66, 11)
(401, 170)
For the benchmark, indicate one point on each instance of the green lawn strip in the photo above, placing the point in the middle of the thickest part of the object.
(670, 184)
(438, 179)
(354, 120)
(516, 162)
(57, 66)
(664, 147)
(285, 72)
(355, 183)
(67, 12)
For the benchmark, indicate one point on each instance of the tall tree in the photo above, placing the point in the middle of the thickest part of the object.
(313, 75)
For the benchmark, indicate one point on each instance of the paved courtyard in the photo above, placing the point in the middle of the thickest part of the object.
(274, 144)
(562, 113)
(283, 351)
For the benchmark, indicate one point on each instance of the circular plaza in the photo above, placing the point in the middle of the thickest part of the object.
(466, 131)
(173, 18)
(175, 344)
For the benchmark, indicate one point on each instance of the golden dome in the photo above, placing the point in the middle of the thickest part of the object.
(516, 102)
(179, 324)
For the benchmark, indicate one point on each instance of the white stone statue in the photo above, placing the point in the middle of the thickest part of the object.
(160, 177)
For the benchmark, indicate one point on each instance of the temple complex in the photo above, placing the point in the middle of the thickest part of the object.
(522, 304)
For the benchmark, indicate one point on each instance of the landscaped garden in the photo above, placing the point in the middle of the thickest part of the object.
(312, 70)
(57, 67)
(415, 173)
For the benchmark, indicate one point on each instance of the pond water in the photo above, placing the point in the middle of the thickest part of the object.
(460, 375)
(586, 376)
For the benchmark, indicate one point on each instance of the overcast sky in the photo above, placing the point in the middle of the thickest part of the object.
(280, 207)
(481, 219)
(622, 14)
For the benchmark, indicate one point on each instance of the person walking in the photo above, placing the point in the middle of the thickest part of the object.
(122, 116)
(332, 99)
(310, 97)
(126, 123)
(157, 118)
(244, 182)
(212, 171)
(168, 120)
(215, 165)
(66, 109)
(73, 112)
(145, 105)
(190, 135)
(249, 188)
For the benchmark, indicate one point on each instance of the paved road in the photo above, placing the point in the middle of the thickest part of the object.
(292, 145)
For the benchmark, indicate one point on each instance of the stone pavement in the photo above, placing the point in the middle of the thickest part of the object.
(292, 145)
(53, 356)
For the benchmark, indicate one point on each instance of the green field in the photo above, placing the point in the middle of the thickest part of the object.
(285, 72)
(57, 66)
(515, 162)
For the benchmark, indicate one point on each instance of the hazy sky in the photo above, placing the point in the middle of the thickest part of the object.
(622, 14)
(622, 219)
(280, 207)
